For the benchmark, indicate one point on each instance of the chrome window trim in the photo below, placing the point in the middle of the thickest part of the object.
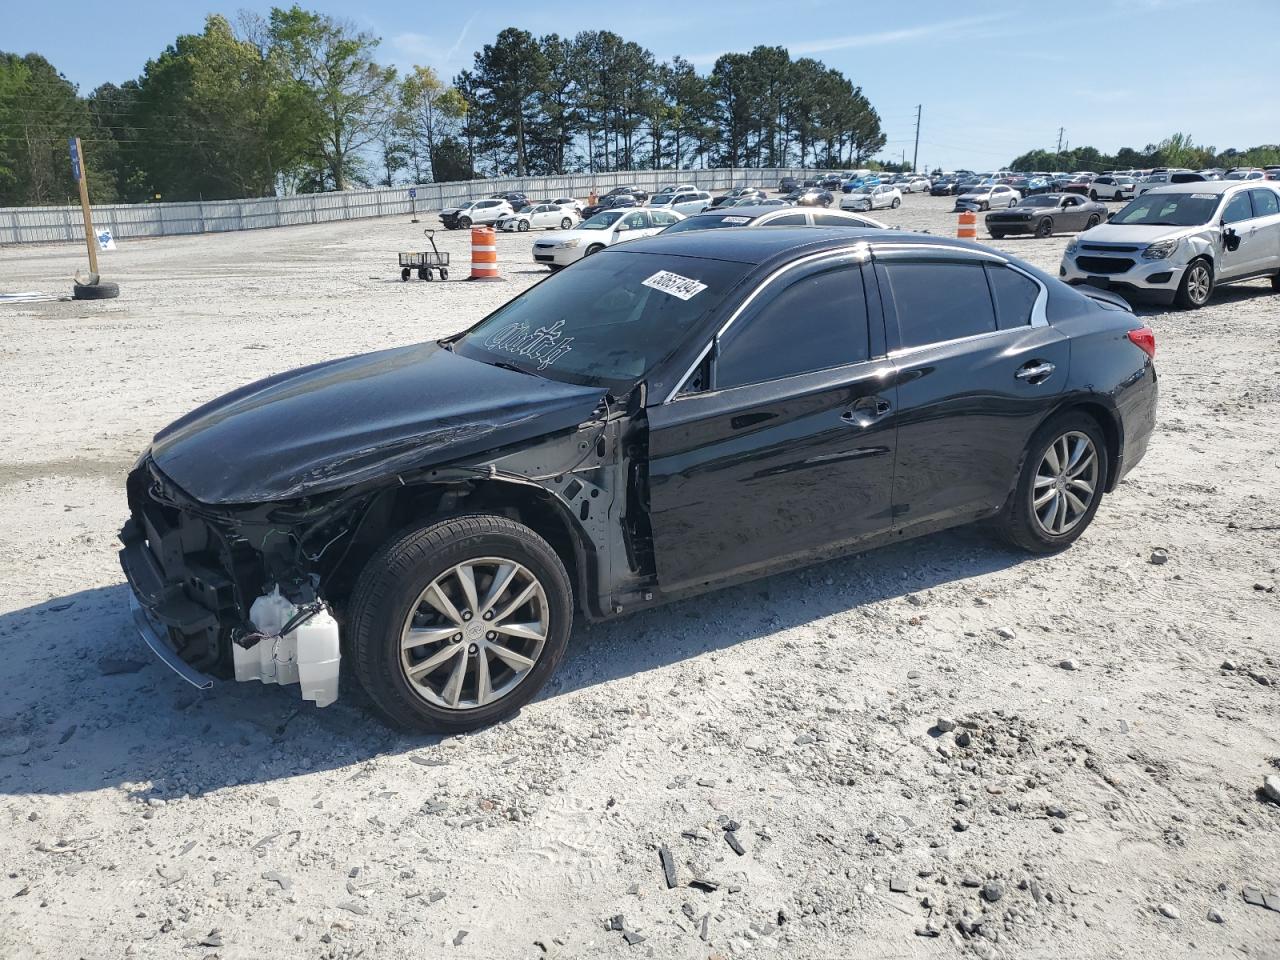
(860, 252)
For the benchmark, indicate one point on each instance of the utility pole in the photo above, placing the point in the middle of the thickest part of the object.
(1061, 131)
(915, 155)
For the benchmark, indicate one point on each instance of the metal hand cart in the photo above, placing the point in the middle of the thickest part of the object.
(427, 264)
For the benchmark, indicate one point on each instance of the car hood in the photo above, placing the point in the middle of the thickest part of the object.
(1138, 234)
(343, 422)
(559, 236)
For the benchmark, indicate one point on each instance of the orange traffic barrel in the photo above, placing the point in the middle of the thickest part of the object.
(484, 254)
(967, 228)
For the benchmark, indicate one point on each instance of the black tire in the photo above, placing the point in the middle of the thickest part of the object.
(404, 274)
(1044, 228)
(444, 273)
(95, 291)
(424, 273)
(1093, 195)
(897, 202)
(566, 224)
(1275, 283)
(594, 248)
(1094, 220)
(1117, 196)
(1187, 297)
(984, 205)
(464, 223)
(390, 585)
(1017, 522)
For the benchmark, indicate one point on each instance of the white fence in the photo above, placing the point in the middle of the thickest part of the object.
(125, 220)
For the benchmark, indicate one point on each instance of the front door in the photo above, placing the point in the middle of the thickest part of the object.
(781, 444)
(978, 369)
(1237, 215)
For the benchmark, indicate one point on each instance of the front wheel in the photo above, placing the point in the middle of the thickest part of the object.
(594, 248)
(996, 234)
(523, 226)
(459, 623)
(1117, 196)
(1197, 285)
(444, 273)
(1060, 485)
(984, 206)
(1093, 195)
(566, 224)
(464, 222)
(404, 274)
(896, 203)
(1044, 228)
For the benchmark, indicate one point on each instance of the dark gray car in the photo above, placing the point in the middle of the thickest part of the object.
(1046, 214)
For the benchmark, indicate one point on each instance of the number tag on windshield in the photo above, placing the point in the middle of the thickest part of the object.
(674, 284)
(736, 220)
(1204, 196)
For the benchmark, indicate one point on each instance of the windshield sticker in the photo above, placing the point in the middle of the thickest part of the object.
(674, 284)
(546, 345)
(736, 220)
(1204, 196)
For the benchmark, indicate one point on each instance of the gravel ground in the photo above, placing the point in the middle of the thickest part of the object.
(940, 749)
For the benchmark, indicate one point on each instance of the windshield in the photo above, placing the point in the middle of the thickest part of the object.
(1169, 210)
(708, 222)
(601, 221)
(607, 321)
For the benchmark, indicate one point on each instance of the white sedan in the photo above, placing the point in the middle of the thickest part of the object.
(916, 185)
(540, 216)
(602, 230)
(987, 197)
(872, 198)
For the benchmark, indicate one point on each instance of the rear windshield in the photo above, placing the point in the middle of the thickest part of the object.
(709, 222)
(606, 321)
(1169, 210)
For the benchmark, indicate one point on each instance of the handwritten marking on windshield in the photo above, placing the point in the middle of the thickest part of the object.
(546, 345)
(674, 284)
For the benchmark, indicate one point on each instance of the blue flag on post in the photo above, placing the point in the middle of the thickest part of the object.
(75, 158)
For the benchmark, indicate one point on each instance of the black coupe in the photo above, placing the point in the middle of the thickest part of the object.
(668, 416)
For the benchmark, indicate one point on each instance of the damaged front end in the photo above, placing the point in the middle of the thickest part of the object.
(235, 591)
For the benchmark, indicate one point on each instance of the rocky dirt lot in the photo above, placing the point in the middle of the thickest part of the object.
(941, 749)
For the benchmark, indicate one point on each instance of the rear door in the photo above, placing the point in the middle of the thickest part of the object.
(1266, 228)
(780, 445)
(978, 369)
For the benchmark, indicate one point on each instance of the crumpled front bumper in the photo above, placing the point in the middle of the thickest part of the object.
(153, 633)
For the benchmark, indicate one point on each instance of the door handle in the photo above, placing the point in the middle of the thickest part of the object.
(866, 411)
(1037, 371)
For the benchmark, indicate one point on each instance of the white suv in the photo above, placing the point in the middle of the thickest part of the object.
(476, 211)
(1177, 243)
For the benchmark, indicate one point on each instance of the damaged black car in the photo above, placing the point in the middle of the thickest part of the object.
(669, 416)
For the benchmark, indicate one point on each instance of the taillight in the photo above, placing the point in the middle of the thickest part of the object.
(1144, 338)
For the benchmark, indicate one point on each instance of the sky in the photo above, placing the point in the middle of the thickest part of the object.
(993, 80)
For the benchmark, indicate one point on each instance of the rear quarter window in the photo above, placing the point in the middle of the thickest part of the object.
(1015, 295)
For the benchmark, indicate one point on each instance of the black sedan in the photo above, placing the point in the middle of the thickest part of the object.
(1047, 214)
(668, 416)
(737, 195)
(628, 191)
(611, 202)
(810, 197)
(787, 184)
(945, 187)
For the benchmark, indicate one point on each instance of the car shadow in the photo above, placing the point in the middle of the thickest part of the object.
(88, 706)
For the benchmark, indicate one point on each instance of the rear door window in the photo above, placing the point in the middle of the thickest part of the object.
(788, 220)
(939, 300)
(1265, 203)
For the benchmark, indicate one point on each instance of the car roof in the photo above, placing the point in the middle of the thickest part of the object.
(759, 246)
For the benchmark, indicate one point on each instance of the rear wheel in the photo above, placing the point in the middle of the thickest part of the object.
(1275, 283)
(459, 623)
(444, 273)
(404, 274)
(1094, 220)
(1060, 486)
(1117, 196)
(1197, 285)
(1044, 228)
(566, 224)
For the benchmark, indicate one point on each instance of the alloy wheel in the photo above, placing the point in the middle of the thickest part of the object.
(1198, 283)
(1065, 484)
(474, 633)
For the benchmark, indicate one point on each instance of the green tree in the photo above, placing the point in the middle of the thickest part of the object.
(342, 92)
(39, 110)
(433, 111)
(508, 75)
